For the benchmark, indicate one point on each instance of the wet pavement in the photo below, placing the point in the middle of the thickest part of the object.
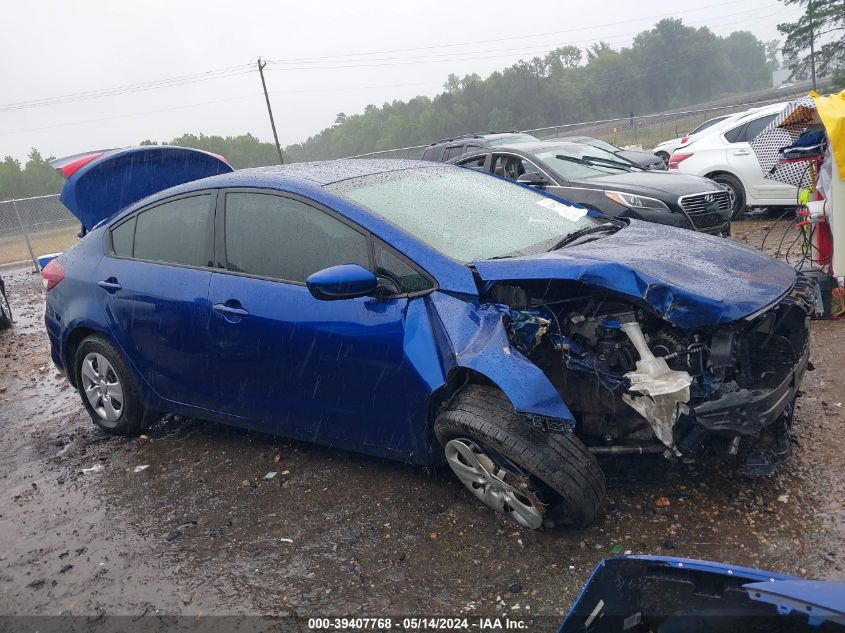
(201, 531)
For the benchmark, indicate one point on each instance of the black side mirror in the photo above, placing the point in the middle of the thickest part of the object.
(533, 179)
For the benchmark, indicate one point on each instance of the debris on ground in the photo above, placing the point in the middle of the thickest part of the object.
(96, 468)
(270, 475)
(139, 469)
(663, 502)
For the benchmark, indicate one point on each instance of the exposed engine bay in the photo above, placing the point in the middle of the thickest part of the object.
(633, 380)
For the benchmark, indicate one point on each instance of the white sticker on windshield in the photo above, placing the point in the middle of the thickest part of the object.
(573, 214)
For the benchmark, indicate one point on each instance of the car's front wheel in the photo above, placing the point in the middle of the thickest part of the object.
(515, 468)
(736, 192)
(108, 388)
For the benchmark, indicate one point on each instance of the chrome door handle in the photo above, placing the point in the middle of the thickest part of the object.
(230, 311)
(110, 285)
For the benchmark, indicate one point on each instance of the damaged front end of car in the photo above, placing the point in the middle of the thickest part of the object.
(638, 383)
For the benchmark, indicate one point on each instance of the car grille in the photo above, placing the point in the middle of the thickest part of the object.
(706, 209)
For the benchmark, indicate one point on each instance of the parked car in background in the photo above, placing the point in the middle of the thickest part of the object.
(644, 159)
(608, 183)
(428, 314)
(448, 148)
(723, 153)
(5, 310)
(665, 149)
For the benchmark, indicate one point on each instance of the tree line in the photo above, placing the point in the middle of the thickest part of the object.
(671, 65)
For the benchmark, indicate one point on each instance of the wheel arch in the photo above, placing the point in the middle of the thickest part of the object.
(725, 172)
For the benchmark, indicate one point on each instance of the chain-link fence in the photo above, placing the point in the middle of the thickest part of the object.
(31, 227)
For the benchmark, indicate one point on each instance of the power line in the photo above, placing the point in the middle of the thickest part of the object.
(140, 87)
(242, 69)
(433, 59)
(511, 38)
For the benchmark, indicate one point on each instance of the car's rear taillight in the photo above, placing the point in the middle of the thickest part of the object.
(677, 159)
(684, 139)
(52, 274)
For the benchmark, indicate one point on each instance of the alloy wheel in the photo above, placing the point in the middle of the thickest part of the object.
(102, 387)
(499, 486)
(731, 196)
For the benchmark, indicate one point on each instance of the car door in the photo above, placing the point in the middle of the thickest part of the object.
(743, 162)
(326, 371)
(154, 282)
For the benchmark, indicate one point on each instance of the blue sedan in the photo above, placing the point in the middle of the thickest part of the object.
(424, 313)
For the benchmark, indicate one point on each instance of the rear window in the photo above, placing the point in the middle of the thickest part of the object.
(174, 232)
(453, 152)
(122, 237)
(432, 153)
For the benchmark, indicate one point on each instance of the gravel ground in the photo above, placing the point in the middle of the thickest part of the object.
(200, 531)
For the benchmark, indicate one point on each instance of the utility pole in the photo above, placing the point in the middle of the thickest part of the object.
(270, 110)
(812, 43)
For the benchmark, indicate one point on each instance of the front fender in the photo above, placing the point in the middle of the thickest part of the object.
(474, 337)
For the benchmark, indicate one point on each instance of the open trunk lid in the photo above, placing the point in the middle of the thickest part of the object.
(103, 182)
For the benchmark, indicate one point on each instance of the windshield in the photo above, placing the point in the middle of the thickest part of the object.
(577, 162)
(513, 138)
(463, 214)
(595, 142)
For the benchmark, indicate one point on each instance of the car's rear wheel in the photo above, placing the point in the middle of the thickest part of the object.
(515, 468)
(108, 388)
(5, 310)
(736, 191)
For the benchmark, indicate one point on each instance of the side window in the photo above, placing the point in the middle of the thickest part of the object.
(400, 273)
(431, 153)
(511, 167)
(286, 239)
(174, 232)
(122, 237)
(476, 162)
(734, 135)
(756, 126)
(452, 152)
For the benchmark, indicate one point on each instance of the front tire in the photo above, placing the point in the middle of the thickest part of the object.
(108, 388)
(513, 467)
(734, 187)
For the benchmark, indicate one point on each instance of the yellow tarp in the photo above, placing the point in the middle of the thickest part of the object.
(831, 111)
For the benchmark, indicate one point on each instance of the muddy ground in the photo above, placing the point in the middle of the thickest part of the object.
(200, 531)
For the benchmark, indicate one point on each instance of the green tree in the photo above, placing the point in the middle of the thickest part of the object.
(824, 22)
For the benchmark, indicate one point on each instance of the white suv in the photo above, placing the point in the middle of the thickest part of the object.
(723, 153)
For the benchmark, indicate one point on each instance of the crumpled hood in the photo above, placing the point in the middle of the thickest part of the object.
(691, 279)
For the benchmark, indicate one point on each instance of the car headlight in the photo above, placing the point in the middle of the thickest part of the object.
(634, 201)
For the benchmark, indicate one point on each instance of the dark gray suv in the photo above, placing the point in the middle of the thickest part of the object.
(448, 148)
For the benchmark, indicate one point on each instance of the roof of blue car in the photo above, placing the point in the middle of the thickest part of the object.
(318, 172)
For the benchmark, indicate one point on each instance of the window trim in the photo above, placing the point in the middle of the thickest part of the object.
(220, 260)
(209, 235)
(220, 239)
(433, 285)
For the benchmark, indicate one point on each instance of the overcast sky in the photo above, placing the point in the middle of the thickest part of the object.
(330, 57)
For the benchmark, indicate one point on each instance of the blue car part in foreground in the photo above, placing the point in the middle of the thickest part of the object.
(668, 594)
(424, 312)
